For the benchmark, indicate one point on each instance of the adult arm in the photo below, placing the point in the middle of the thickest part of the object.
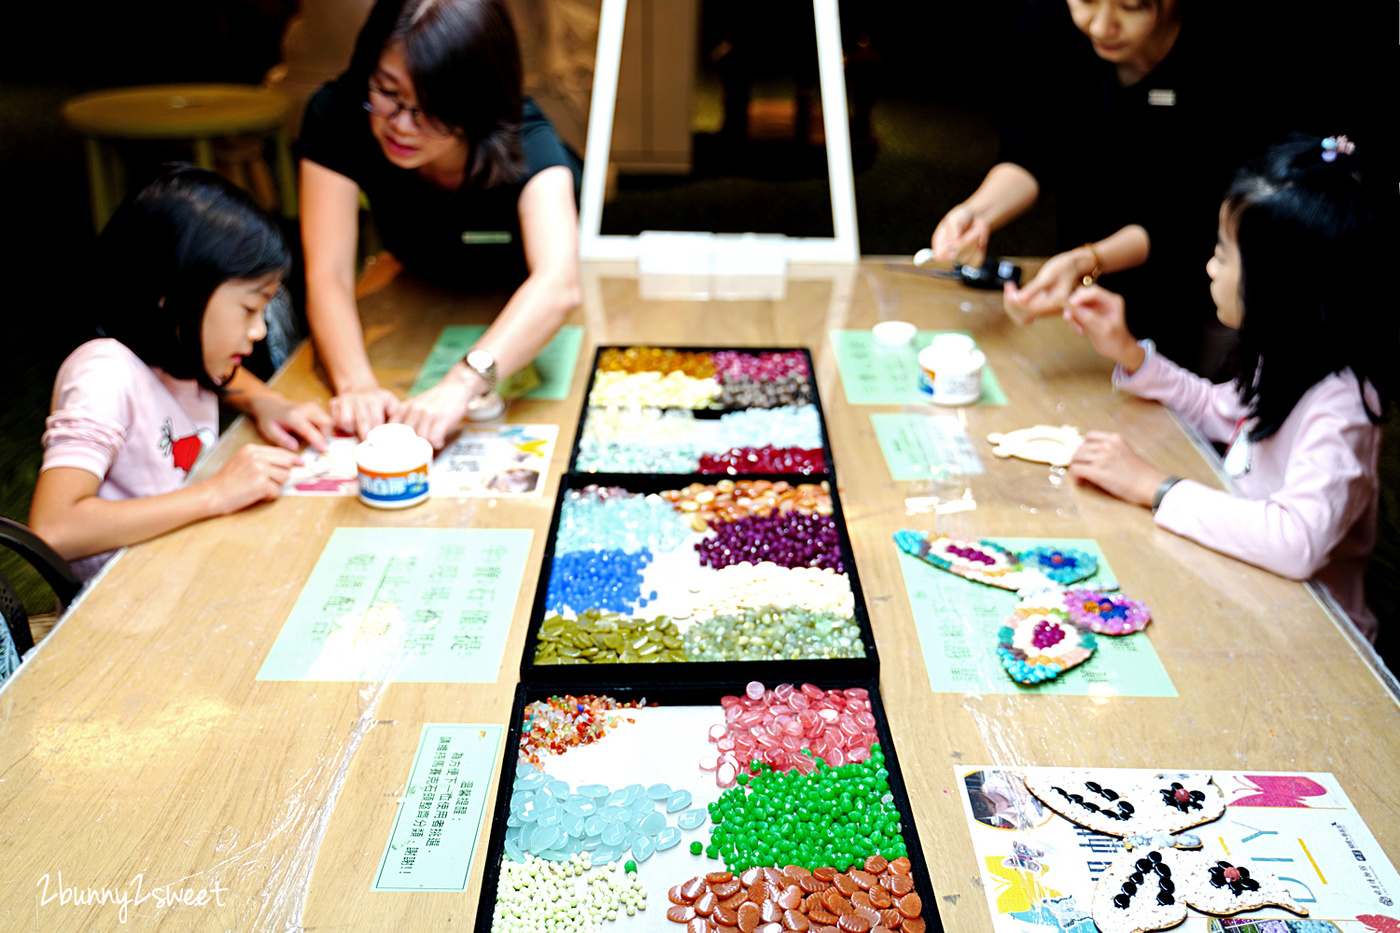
(534, 313)
(330, 205)
(1048, 292)
(67, 512)
(1006, 193)
(278, 419)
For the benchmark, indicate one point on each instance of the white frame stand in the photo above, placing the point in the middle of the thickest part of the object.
(843, 247)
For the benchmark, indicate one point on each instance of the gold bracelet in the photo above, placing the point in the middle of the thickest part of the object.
(1095, 272)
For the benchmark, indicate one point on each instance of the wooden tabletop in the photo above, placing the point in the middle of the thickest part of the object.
(138, 741)
(177, 111)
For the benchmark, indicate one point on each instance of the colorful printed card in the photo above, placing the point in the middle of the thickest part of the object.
(485, 461)
(439, 819)
(958, 621)
(555, 364)
(919, 446)
(873, 374)
(425, 605)
(1039, 869)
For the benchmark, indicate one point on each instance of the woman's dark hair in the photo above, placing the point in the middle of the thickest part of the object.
(1310, 248)
(464, 60)
(165, 251)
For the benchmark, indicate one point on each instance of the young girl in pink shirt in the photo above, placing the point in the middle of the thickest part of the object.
(186, 268)
(1295, 271)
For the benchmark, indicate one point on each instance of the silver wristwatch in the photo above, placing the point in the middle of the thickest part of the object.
(483, 364)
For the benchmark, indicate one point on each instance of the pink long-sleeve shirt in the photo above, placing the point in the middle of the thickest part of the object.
(1306, 506)
(135, 427)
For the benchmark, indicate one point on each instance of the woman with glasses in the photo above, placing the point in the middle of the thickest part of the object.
(468, 184)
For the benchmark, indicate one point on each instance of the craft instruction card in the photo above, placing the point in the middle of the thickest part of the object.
(555, 364)
(919, 446)
(435, 832)
(1039, 870)
(958, 619)
(426, 605)
(483, 461)
(874, 374)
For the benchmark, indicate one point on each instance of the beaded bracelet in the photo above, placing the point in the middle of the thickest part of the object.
(1162, 489)
(1095, 272)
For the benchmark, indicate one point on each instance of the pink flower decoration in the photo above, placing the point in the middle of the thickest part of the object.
(1107, 613)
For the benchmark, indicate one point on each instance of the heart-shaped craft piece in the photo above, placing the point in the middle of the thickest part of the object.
(1107, 613)
(1063, 565)
(1163, 803)
(983, 561)
(1037, 644)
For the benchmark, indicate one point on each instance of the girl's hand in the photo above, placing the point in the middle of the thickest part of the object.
(254, 474)
(1107, 461)
(281, 421)
(961, 236)
(358, 410)
(1098, 314)
(1047, 293)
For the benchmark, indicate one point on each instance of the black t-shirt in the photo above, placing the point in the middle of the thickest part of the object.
(1159, 153)
(470, 237)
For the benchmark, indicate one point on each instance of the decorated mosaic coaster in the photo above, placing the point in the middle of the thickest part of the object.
(983, 561)
(1062, 565)
(1164, 803)
(1107, 613)
(1038, 644)
(1150, 890)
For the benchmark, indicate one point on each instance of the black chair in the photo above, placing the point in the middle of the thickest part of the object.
(16, 637)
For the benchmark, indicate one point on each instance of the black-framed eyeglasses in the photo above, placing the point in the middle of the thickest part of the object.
(386, 104)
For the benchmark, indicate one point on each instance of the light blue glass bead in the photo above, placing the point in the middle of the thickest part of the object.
(593, 791)
(529, 781)
(513, 850)
(543, 837)
(591, 844)
(618, 798)
(593, 825)
(579, 805)
(527, 809)
(550, 815)
(613, 813)
(653, 823)
(605, 853)
(513, 820)
(668, 838)
(1188, 841)
(573, 824)
(635, 792)
(692, 819)
(559, 790)
(614, 834)
(659, 791)
(678, 801)
(643, 805)
(642, 848)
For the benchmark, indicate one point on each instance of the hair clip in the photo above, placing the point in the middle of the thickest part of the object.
(1334, 145)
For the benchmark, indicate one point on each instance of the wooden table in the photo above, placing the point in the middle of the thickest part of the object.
(137, 740)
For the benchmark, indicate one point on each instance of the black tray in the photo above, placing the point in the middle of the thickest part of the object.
(695, 671)
(668, 694)
(714, 413)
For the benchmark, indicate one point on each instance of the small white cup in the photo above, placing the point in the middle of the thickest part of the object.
(393, 467)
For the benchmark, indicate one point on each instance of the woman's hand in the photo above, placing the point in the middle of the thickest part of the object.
(435, 413)
(357, 411)
(254, 474)
(961, 236)
(1098, 314)
(281, 421)
(1048, 292)
(1106, 460)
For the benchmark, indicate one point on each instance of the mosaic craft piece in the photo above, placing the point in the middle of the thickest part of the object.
(1165, 803)
(983, 561)
(1042, 443)
(1062, 565)
(1039, 643)
(1107, 613)
(1150, 890)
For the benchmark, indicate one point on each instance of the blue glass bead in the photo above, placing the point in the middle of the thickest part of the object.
(659, 791)
(692, 819)
(668, 838)
(642, 848)
(678, 801)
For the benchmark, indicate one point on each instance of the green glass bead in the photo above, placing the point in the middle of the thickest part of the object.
(696, 848)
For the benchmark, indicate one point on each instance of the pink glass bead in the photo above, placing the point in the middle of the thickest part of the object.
(782, 691)
(717, 732)
(754, 690)
(726, 744)
(728, 701)
(857, 693)
(858, 753)
(726, 774)
(799, 701)
(805, 764)
(813, 691)
(709, 763)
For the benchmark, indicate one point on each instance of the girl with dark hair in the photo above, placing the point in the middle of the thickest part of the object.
(468, 184)
(1314, 360)
(186, 268)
